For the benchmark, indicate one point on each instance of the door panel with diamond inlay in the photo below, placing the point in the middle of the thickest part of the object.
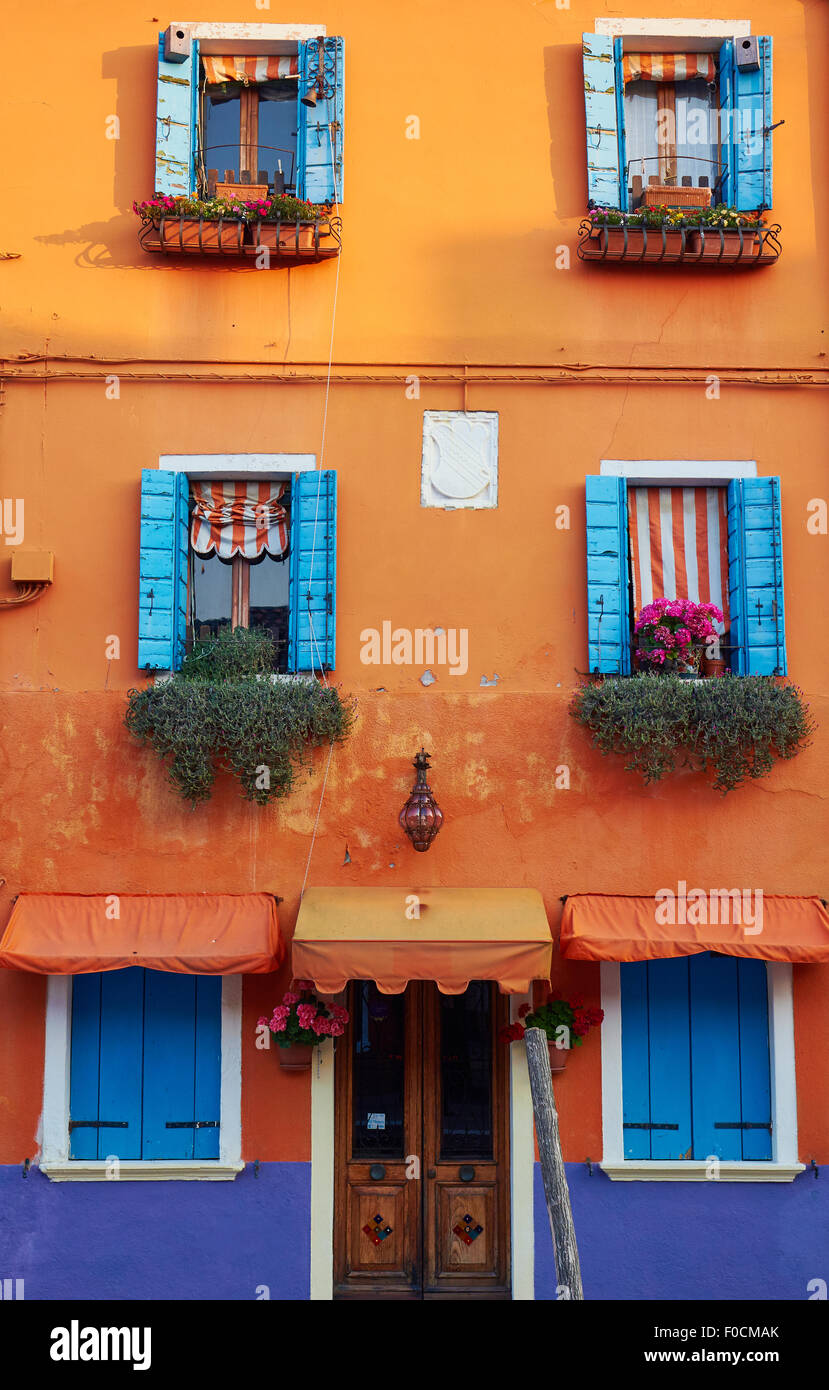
(422, 1163)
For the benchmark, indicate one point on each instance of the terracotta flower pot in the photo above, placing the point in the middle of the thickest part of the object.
(285, 237)
(558, 1056)
(640, 247)
(193, 234)
(713, 666)
(713, 247)
(297, 1057)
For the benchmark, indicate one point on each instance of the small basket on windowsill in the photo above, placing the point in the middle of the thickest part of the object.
(671, 195)
(247, 192)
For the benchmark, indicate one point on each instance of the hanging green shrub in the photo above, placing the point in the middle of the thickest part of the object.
(737, 724)
(224, 711)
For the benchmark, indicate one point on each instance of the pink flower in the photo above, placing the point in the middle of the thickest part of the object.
(290, 998)
(304, 986)
(336, 1029)
(306, 1013)
(321, 1026)
(260, 1022)
(339, 1013)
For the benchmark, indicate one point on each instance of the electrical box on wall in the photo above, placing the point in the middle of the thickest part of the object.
(747, 54)
(176, 44)
(33, 567)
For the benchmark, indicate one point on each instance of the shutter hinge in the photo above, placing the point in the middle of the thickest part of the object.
(192, 1124)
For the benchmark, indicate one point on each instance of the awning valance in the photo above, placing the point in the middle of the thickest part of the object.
(448, 935)
(238, 518)
(668, 67)
(598, 926)
(247, 69)
(188, 933)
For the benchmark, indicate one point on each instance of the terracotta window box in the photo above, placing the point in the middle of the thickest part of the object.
(287, 242)
(673, 246)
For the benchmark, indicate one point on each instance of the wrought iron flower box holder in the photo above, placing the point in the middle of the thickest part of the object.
(288, 241)
(674, 245)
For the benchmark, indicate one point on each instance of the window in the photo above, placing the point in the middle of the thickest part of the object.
(249, 553)
(695, 1059)
(223, 110)
(145, 1066)
(698, 117)
(721, 545)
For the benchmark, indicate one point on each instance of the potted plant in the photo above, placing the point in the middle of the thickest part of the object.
(283, 223)
(196, 224)
(300, 1023)
(564, 1023)
(725, 234)
(668, 633)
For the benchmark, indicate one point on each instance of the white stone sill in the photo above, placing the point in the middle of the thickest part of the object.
(89, 1170)
(690, 1170)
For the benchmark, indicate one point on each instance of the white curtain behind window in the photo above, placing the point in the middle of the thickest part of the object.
(696, 110)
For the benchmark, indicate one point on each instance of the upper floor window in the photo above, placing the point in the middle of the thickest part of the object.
(244, 104)
(720, 545)
(699, 118)
(249, 553)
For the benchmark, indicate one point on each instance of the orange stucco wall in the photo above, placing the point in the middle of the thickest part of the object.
(450, 245)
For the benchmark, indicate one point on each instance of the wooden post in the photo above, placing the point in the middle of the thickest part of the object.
(556, 1191)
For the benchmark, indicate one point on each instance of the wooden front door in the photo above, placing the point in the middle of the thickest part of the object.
(422, 1161)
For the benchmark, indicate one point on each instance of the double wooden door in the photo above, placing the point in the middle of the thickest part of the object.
(422, 1146)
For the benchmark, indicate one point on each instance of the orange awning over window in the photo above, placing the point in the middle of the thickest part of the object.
(448, 935)
(188, 933)
(598, 926)
(668, 67)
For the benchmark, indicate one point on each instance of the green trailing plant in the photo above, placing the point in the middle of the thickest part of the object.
(737, 726)
(224, 711)
(280, 205)
(674, 219)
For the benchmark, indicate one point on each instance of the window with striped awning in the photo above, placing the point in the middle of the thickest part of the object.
(668, 67)
(679, 545)
(238, 518)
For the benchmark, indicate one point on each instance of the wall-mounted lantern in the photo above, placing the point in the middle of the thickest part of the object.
(421, 817)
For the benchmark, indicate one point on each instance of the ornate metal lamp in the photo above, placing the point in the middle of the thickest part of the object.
(421, 817)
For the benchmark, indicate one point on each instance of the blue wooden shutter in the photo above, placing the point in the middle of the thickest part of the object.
(320, 127)
(730, 1058)
(656, 1063)
(182, 1049)
(162, 589)
(746, 103)
(604, 176)
(755, 577)
(176, 123)
(313, 608)
(105, 1069)
(608, 575)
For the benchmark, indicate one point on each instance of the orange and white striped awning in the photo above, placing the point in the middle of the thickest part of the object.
(247, 70)
(679, 544)
(238, 518)
(668, 67)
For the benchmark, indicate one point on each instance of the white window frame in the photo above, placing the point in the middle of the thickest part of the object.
(258, 39)
(54, 1157)
(678, 472)
(783, 1165)
(710, 31)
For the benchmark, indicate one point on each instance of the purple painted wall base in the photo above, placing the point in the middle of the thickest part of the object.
(698, 1240)
(158, 1240)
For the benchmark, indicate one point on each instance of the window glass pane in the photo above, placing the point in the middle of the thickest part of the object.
(640, 130)
(277, 129)
(269, 603)
(378, 1072)
(222, 105)
(696, 132)
(212, 583)
(466, 1072)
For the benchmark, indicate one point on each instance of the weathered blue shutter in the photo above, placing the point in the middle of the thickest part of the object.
(604, 176)
(755, 577)
(162, 590)
(313, 581)
(182, 1049)
(176, 123)
(715, 1056)
(608, 575)
(746, 105)
(755, 1071)
(320, 128)
(105, 1069)
(656, 1063)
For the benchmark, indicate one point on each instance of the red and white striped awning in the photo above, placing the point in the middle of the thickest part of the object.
(242, 518)
(679, 545)
(249, 70)
(668, 67)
